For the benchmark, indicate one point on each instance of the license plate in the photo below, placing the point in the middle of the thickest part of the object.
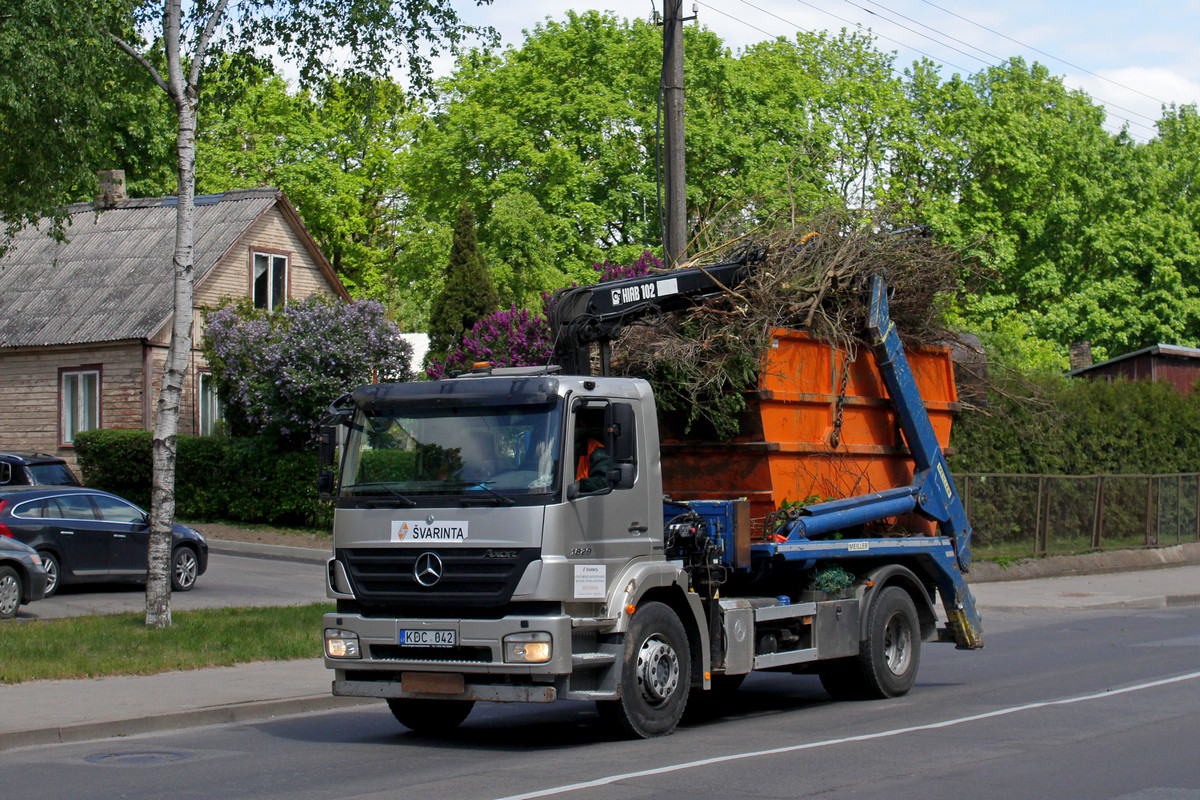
(423, 638)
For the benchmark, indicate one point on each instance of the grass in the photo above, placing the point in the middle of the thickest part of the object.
(121, 644)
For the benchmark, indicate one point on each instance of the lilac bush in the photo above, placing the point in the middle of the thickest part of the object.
(276, 372)
(518, 337)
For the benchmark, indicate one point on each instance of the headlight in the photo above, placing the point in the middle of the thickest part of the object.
(341, 644)
(527, 648)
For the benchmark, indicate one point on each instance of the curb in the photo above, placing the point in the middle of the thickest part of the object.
(278, 552)
(1179, 555)
(250, 711)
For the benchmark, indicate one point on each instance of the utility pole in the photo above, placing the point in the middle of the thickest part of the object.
(675, 244)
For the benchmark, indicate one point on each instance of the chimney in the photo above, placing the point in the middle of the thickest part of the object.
(112, 187)
(1080, 354)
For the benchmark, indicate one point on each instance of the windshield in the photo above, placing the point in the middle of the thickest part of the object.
(491, 454)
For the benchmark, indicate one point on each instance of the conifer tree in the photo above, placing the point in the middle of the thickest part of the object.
(468, 293)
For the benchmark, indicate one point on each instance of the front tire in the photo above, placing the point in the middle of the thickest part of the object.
(185, 567)
(10, 592)
(430, 716)
(656, 675)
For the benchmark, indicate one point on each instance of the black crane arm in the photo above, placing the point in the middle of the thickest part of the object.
(598, 312)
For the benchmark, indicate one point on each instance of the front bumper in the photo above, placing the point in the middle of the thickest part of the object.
(580, 666)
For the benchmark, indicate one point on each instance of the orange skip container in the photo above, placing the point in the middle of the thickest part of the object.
(807, 436)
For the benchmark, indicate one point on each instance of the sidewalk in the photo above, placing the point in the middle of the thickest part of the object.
(42, 712)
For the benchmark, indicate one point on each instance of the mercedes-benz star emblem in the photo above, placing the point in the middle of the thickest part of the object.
(428, 569)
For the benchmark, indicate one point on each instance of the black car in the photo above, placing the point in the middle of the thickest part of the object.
(22, 579)
(89, 536)
(34, 469)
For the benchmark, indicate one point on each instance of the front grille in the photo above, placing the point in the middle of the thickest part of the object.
(474, 577)
(394, 652)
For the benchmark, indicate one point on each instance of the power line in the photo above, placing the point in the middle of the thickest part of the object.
(1047, 55)
(1112, 126)
(991, 55)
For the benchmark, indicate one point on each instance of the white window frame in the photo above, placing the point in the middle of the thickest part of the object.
(208, 405)
(274, 266)
(78, 402)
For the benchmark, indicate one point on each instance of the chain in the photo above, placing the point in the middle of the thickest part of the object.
(835, 436)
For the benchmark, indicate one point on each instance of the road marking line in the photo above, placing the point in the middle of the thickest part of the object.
(865, 737)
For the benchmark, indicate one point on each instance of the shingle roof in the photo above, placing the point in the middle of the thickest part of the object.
(112, 280)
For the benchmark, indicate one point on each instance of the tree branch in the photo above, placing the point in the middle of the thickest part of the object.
(138, 57)
(202, 42)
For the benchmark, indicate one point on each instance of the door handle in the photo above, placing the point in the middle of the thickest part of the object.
(118, 536)
(637, 527)
(67, 533)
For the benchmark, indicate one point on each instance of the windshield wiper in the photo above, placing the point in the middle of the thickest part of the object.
(407, 501)
(503, 499)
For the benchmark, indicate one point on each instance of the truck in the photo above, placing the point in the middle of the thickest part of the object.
(528, 534)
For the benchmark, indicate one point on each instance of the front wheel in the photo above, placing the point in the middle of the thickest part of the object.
(656, 674)
(10, 592)
(430, 716)
(184, 569)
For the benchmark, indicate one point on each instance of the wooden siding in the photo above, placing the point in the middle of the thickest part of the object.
(30, 398)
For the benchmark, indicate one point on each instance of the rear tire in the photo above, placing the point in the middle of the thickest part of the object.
(656, 675)
(430, 716)
(53, 568)
(10, 592)
(890, 657)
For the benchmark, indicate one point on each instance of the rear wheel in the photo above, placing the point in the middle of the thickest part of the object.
(53, 571)
(891, 652)
(430, 716)
(10, 592)
(656, 674)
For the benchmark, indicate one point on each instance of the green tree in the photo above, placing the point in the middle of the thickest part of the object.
(336, 151)
(69, 107)
(468, 293)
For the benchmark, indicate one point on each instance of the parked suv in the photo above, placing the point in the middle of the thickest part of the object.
(35, 469)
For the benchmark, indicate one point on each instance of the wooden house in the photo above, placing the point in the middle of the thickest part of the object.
(85, 323)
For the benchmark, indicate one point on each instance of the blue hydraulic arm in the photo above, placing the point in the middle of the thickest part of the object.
(936, 495)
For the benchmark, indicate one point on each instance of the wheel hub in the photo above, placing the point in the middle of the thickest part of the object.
(897, 645)
(10, 597)
(657, 670)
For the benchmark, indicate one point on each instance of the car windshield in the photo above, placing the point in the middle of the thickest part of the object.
(493, 454)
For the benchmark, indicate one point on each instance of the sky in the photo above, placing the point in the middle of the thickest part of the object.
(1131, 57)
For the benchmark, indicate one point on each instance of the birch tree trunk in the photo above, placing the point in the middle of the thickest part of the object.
(166, 424)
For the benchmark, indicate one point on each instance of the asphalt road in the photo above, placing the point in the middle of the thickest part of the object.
(1065, 704)
(230, 581)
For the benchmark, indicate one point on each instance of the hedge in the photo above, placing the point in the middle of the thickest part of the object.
(216, 478)
(1076, 426)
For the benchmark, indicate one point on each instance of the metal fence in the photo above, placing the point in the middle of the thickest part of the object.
(1029, 515)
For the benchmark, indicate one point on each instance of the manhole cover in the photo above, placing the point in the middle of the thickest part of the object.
(137, 758)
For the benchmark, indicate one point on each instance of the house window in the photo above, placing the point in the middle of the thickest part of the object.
(211, 411)
(79, 399)
(270, 280)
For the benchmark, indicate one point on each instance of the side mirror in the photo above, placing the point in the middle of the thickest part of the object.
(325, 484)
(619, 430)
(327, 446)
(622, 476)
